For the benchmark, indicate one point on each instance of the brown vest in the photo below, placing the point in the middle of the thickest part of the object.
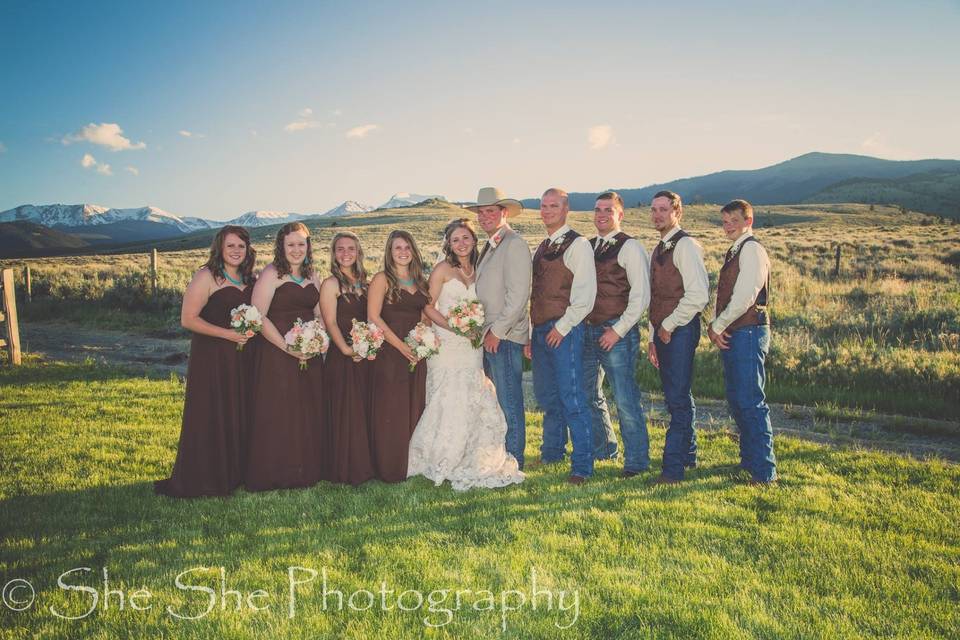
(729, 272)
(666, 283)
(613, 287)
(552, 281)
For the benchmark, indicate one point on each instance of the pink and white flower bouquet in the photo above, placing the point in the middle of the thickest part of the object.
(246, 321)
(366, 338)
(423, 341)
(307, 339)
(466, 319)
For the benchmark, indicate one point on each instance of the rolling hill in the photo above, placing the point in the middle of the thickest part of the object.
(936, 192)
(793, 181)
(23, 239)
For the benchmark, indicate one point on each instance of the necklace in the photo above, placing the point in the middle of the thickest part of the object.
(239, 283)
(296, 279)
(406, 282)
(465, 274)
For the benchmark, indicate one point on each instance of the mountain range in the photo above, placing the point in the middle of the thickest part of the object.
(801, 179)
(928, 186)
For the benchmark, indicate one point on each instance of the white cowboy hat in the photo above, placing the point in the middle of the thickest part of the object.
(492, 196)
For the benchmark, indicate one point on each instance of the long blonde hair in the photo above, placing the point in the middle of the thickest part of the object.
(359, 272)
(415, 268)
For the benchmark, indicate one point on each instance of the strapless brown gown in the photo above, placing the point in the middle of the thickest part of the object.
(397, 396)
(287, 440)
(348, 395)
(211, 450)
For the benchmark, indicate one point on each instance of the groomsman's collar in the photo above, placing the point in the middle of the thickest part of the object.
(671, 233)
(610, 236)
(559, 233)
(739, 241)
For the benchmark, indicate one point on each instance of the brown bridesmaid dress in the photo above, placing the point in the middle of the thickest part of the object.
(347, 396)
(287, 438)
(211, 452)
(397, 396)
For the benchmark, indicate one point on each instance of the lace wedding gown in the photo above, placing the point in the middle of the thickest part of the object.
(460, 436)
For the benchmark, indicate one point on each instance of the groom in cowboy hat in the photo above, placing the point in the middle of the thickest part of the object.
(504, 273)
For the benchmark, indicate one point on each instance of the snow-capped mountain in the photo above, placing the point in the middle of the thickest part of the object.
(82, 215)
(348, 208)
(264, 218)
(199, 224)
(407, 199)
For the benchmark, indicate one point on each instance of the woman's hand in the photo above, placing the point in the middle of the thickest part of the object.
(233, 336)
(407, 353)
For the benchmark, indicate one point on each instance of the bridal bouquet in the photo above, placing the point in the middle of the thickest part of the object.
(466, 319)
(246, 321)
(423, 341)
(366, 338)
(307, 339)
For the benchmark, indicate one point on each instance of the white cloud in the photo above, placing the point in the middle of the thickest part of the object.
(185, 133)
(600, 136)
(362, 130)
(133, 170)
(300, 125)
(89, 162)
(516, 141)
(305, 113)
(336, 113)
(106, 134)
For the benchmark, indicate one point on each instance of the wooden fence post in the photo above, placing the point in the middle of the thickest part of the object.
(836, 263)
(154, 272)
(28, 283)
(8, 315)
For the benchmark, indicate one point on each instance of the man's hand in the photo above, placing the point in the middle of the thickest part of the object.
(608, 339)
(722, 339)
(664, 335)
(528, 352)
(554, 338)
(491, 342)
(652, 355)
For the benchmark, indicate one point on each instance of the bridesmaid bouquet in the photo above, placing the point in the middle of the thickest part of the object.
(366, 338)
(423, 341)
(246, 320)
(466, 319)
(307, 339)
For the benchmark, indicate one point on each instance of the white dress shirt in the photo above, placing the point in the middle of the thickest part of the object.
(578, 258)
(634, 260)
(754, 270)
(688, 259)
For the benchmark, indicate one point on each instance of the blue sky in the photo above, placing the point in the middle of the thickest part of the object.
(217, 108)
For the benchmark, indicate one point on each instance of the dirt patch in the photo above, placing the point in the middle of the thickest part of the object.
(72, 343)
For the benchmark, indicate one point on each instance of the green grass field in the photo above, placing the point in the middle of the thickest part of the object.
(850, 544)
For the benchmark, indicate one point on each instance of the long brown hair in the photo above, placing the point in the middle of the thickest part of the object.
(280, 257)
(215, 261)
(415, 268)
(359, 272)
(452, 258)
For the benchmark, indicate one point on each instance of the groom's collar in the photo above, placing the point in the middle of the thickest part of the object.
(499, 235)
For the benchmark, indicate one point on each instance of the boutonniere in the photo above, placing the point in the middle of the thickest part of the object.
(668, 244)
(558, 241)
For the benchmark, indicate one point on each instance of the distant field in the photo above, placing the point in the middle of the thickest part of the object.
(883, 335)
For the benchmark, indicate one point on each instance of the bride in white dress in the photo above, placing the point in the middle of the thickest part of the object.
(461, 434)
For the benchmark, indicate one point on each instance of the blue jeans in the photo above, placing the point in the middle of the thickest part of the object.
(676, 376)
(505, 370)
(744, 376)
(620, 364)
(558, 385)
